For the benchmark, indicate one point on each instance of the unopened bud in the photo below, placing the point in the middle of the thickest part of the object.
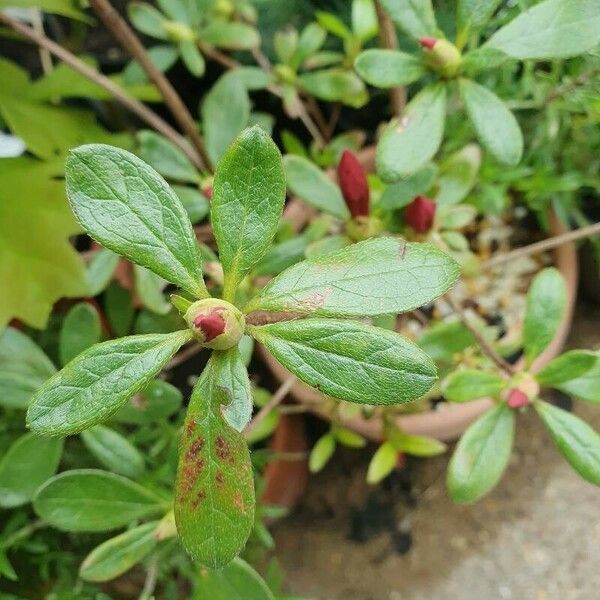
(517, 398)
(353, 183)
(442, 56)
(207, 190)
(525, 390)
(216, 324)
(419, 214)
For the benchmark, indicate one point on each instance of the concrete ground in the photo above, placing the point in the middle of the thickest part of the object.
(535, 537)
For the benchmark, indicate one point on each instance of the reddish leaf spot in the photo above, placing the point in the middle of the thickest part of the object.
(195, 448)
(222, 447)
(199, 497)
(239, 501)
(189, 428)
(220, 480)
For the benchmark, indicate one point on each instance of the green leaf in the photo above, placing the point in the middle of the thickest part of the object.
(147, 19)
(163, 57)
(417, 445)
(214, 492)
(364, 19)
(472, 15)
(100, 271)
(48, 266)
(311, 184)
(382, 464)
(388, 68)
(335, 85)
(236, 581)
(26, 465)
(192, 58)
(80, 330)
(168, 160)
(118, 309)
(57, 7)
(6, 568)
(551, 29)
(310, 41)
(129, 208)
(196, 204)
(546, 305)
(415, 17)
(470, 384)
(117, 555)
(231, 377)
(23, 368)
(407, 146)
(321, 453)
(455, 217)
(458, 175)
(442, 340)
(93, 500)
(230, 35)
(566, 367)
(349, 438)
(225, 112)
(585, 386)
(376, 277)
(159, 401)
(576, 440)
(482, 59)
(149, 288)
(494, 123)
(481, 455)
(99, 381)
(350, 360)
(248, 196)
(114, 451)
(399, 194)
(333, 24)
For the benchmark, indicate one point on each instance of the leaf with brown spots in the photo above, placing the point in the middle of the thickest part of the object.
(214, 494)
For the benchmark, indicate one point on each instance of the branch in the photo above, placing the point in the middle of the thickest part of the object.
(129, 40)
(120, 95)
(548, 244)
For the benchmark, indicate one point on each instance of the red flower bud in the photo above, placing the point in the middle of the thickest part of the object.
(517, 398)
(353, 182)
(419, 214)
(207, 191)
(427, 42)
(211, 325)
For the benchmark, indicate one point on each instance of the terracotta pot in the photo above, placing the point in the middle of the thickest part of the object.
(447, 421)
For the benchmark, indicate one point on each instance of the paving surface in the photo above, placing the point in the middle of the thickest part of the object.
(536, 537)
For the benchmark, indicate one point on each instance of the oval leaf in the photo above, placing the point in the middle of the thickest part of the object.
(99, 381)
(470, 384)
(80, 330)
(415, 17)
(567, 367)
(382, 464)
(388, 68)
(350, 360)
(128, 207)
(335, 85)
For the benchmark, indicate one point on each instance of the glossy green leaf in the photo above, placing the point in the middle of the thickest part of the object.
(214, 492)
(117, 555)
(481, 455)
(80, 330)
(470, 384)
(114, 451)
(406, 146)
(93, 500)
(415, 17)
(568, 366)
(196, 204)
(236, 581)
(399, 194)
(192, 58)
(128, 207)
(225, 112)
(231, 377)
(376, 277)
(576, 440)
(248, 196)
(26, 465)
(230, 35)
(335, 85)
(458, 175)
(149, 288)
(162, 155)
(99, 381)
(321, 452)
(494, 123)
(585, 386)
(472, 15)
(364, 19)
(350, 360)
(382, 464)
(388, 68)
(100, 271)
(546, 305)
(147, 19)
(311, 184)
(551, 29)
(23, 368)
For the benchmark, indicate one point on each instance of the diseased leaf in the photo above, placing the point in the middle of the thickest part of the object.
(99, 381)
(350, 360)
(129, 208)
(376, 277)
(117, 555)
(546, 305)
(471, 384)
(415, 17)
(28, 463)
(494, 123)
(481, 455)
(388, 68)
(248, 196)
(406, 146)
(80, 330)
(93, 500)
(168, 160)
(576, 440)
(214, 491)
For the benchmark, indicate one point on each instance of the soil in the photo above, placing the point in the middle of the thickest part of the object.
(535, 537)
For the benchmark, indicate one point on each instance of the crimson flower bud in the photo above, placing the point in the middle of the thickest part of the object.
(216, 324)
(517, 398)
(427, 42)
(353, 182)
(419, 214)
(207, 191)
(442, 56)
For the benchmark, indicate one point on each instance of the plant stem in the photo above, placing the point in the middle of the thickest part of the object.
(572, 86)
(38, 25)
(548, 244)
(22, 533)
(388, 39)
(276, 399)
(129, 40)
(151, 579)
(135, 106)
(485, 346)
